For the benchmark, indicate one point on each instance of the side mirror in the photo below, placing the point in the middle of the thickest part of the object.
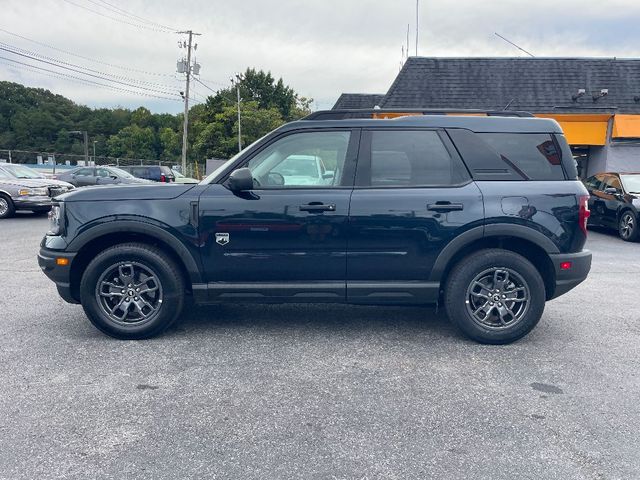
(610, 191)
(241, 180)
(328, 174)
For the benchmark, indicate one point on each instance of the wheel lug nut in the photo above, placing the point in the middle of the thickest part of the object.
(491, 304)
(504, 296)
(123, 291)
(137, 289)
(135, 298)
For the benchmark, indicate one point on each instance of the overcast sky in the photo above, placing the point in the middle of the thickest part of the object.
(320, 47)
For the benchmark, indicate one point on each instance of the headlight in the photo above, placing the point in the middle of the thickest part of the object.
(36, 192)
(56, 222)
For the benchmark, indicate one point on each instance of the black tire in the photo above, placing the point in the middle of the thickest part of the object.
(628, 226)
(465, 296)
(157, 273)
(7, 208)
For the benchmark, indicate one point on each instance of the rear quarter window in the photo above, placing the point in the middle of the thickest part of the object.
(533, 156)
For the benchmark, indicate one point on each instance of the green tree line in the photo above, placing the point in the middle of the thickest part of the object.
(36, 119)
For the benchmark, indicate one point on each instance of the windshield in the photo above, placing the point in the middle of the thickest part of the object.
(121, 173)
(19, 171)
(177, 174)
(631, 183)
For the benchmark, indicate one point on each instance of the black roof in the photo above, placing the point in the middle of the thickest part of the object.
(538, 85)
(358, 100)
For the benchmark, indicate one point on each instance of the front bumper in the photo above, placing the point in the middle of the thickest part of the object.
(27, 202)
(60, 274)
(569, 278)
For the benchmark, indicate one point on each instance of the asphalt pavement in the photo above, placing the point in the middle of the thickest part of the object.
(317, 391)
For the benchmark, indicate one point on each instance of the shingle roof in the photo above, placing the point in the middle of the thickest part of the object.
(538, 85)
(358, 100)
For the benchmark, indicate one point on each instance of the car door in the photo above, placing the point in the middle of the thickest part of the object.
(84, 177)
(611, 201)
(104, 176)
(285, 239)
(413, 195)
(594, 185)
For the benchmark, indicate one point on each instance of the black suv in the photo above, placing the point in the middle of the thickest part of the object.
(156, 173)
(615, 203)
(482, 214)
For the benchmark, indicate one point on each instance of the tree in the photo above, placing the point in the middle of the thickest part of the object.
(132, 142)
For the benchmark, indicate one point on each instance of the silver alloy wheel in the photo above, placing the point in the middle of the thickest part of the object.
(498, 298)
(627, 224)
(4, 206)
(129, 293)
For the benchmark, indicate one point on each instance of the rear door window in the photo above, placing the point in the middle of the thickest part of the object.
(533, 156)
(408, 158)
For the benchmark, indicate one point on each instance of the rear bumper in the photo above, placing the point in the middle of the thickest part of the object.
(567, 279)
(60, 274)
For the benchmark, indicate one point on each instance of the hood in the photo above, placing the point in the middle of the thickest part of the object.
(34, 182)
(150, 191)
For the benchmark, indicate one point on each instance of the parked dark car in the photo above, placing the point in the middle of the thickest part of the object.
(484, 215)
(614, 201)
(86, 176)
(22, 188)
(155, 173)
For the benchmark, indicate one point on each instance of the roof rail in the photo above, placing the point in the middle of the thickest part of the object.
(344, 114)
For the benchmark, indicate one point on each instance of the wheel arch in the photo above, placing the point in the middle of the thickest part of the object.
(106, 235)
(532, 245)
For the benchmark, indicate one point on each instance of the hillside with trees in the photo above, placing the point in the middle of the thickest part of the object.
(37, 120)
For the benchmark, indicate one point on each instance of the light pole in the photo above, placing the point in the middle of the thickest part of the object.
(85, 138)
(94, 151)
(237, 82)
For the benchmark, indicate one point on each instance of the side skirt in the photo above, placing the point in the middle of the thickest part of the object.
(363, 293)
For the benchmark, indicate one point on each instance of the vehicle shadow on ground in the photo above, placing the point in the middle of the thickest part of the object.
(314, 318)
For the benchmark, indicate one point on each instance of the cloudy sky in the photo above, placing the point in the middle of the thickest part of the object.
(320, 47)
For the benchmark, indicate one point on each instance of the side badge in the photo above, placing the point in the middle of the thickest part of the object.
(222, 238)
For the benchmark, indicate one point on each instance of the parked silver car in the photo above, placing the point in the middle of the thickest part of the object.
(22, 188)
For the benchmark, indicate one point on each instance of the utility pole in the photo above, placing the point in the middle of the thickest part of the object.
(187, 70)
(417, 24)
(94, 151)
(85, 138)
(238, 78)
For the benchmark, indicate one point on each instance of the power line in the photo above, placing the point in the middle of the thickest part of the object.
(66, 52)
(119, 10)
(134, 80)
(85, 73)
(81, 80)
(146, 27)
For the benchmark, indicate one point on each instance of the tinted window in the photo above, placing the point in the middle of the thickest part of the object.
(612, 182)
(412, 158)
(140, 172)
(310, 159)
(533, 156)
(592, 183)
(102, 172)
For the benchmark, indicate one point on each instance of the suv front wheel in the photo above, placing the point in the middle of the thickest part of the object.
(495, 296)
(132, 291)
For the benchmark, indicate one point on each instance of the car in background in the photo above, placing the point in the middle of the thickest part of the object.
(155, 173)
(180, 178)
(87, 176)
(22, 188)
(614, 201)
(302, 170)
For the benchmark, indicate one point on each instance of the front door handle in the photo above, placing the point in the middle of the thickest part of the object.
(444, 207)
(317, 207)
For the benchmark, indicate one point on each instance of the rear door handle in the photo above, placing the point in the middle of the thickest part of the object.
(317, 207)
(444, 207)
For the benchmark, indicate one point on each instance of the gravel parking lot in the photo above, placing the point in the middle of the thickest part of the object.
(337, 392)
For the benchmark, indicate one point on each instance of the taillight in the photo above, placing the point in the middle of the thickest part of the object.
(584, 212)
(163, 178)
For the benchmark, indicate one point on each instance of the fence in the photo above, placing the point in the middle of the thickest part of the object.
(55, 161)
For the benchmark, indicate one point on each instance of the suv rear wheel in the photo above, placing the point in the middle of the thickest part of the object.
(495, 296)
(132, 291)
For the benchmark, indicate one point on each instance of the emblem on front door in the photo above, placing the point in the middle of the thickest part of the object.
(222, 238)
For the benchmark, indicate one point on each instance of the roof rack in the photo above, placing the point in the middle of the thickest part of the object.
(344, 114)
